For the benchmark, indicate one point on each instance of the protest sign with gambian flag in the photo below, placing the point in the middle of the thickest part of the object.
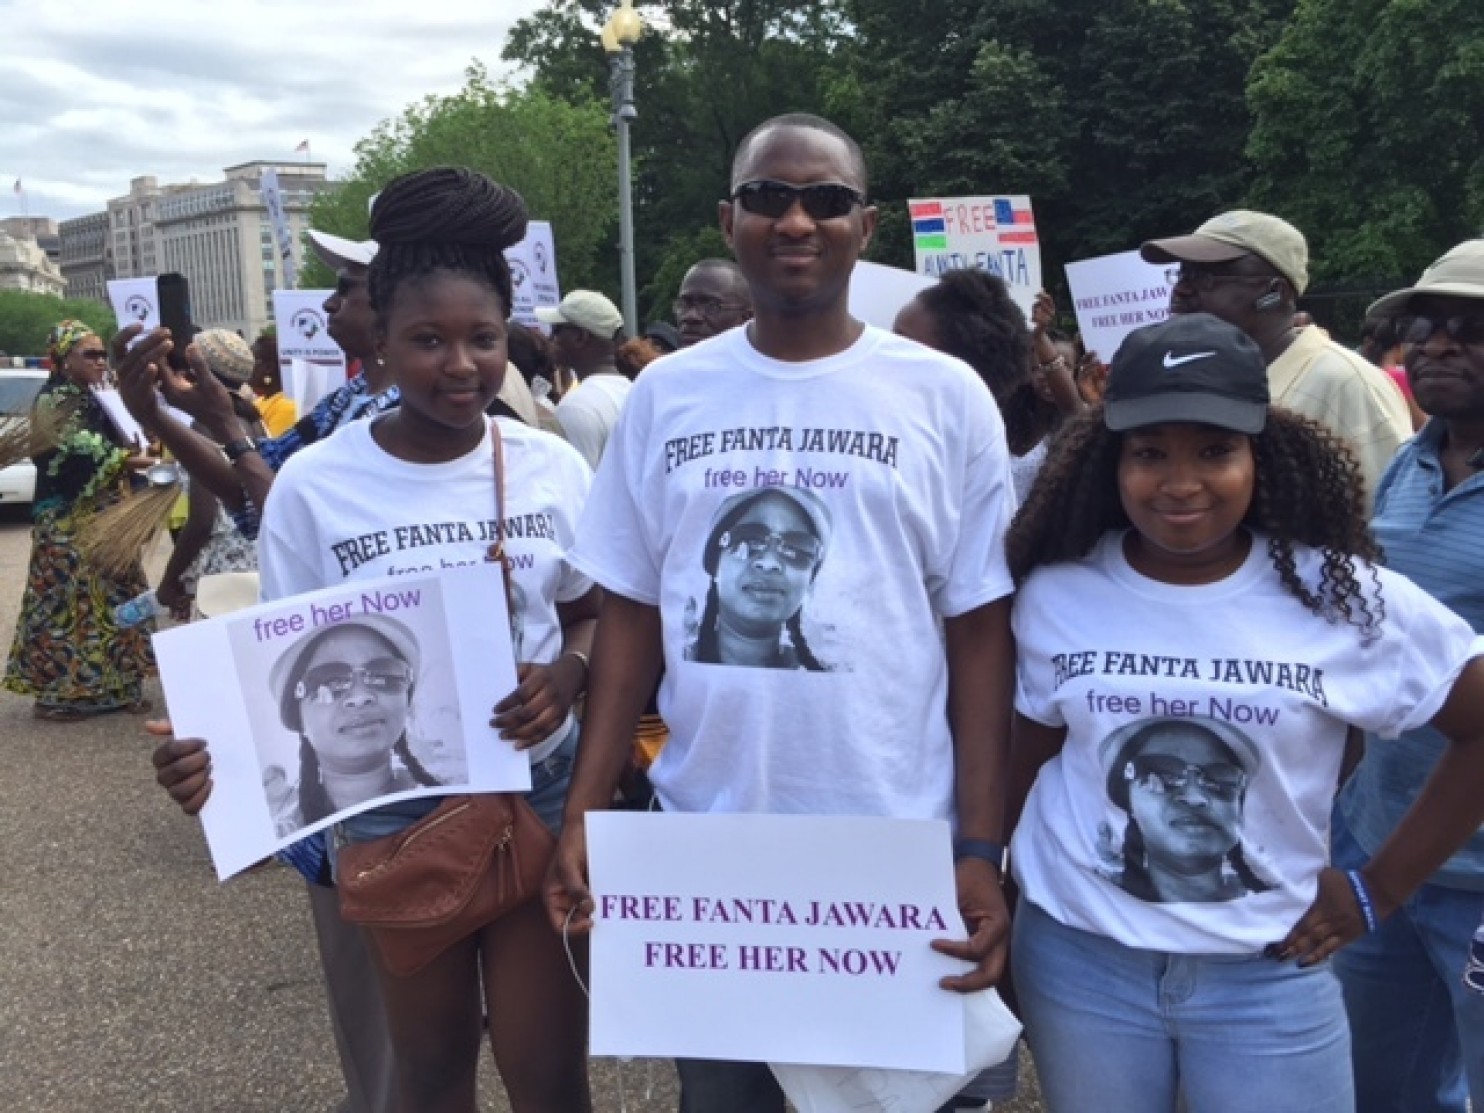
(991, 233)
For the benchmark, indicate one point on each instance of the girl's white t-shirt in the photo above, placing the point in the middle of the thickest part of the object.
(1205, 729)
(346, 509)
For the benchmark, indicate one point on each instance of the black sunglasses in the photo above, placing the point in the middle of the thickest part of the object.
(822, 201)
(1418, 328)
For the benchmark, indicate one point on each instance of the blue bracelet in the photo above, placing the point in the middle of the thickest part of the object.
(1363, 898)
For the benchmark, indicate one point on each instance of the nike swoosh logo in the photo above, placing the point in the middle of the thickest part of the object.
(1173, 361)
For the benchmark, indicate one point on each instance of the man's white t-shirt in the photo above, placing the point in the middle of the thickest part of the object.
(834, 511)
(1205, 728)
(346, 509)
(589, 412)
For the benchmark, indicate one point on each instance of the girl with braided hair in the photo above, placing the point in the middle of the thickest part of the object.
(414, 490)
(1199, 624)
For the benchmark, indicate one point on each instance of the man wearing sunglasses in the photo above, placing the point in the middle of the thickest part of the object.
(713, 298)
(1249, 269)
(1417, 1032)
(709, 570)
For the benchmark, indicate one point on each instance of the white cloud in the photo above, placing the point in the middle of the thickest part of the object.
(96, 92)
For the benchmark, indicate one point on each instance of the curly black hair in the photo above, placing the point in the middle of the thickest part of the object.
(448, 218)
(978, 322)
(1308, 491)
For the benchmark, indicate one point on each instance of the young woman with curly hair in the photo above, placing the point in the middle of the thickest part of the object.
(1200, 622)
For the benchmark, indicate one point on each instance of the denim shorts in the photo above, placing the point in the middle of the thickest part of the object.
(548, 796)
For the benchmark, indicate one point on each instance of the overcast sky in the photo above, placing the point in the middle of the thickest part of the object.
(96, 92)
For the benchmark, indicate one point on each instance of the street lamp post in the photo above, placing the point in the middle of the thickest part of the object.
(619, 35)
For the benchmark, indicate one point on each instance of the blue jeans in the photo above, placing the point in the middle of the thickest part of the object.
(1120, 1030)
(1418, 1031)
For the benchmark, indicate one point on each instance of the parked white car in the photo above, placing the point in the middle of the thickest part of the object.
(18, 389)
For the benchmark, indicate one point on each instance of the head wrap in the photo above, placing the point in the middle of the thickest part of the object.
(63, 338)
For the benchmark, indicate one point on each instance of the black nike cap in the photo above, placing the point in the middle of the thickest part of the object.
(1193, 367)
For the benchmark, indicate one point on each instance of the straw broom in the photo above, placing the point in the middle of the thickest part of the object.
(25, 436)
(113, 539)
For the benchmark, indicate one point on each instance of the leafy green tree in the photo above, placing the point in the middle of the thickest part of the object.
(705, 73)
(1369, 133)
(26, 318)
(1122, 119)
(557, 153)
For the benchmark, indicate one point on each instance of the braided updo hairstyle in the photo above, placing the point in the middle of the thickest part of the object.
(448, 218)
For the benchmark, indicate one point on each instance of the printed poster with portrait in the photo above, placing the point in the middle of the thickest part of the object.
(327, 704)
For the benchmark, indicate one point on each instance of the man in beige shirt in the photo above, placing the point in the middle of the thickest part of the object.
(1249, 268)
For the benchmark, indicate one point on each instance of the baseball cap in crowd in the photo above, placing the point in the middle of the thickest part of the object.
(1234, 234)
(1193, 367)
(663, 335)
(338, 253)
(587, 310)
(1458, 274)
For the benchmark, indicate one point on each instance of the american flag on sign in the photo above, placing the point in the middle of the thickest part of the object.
(1016, 225)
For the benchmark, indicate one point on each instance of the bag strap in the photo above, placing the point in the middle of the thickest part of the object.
(497, 549)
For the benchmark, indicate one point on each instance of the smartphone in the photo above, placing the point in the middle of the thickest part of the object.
(175, 315)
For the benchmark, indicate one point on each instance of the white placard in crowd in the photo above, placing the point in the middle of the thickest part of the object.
(1113, 295)
(533, 273)
(306, 383)
(371, 669)
(273, 202)
(786, 939)
(303, 328)
(136, 301)
(993, 233)
(877, 293)
(120, 418)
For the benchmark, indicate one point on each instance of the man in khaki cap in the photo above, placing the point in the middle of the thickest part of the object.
(585, 329)
(1249, 268)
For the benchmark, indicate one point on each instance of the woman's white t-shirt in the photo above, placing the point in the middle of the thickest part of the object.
(346, 509)
(1242, 697)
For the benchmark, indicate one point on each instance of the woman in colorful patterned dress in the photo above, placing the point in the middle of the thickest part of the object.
(68, 653)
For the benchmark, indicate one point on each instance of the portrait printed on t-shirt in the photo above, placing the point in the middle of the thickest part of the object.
(1182, 785)
(763, 553)
(351, 711)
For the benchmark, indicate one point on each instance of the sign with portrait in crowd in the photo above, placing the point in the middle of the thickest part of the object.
(323, 705)
(533, 273)
(991, 233)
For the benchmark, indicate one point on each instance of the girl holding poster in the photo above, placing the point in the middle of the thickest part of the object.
(1200, 622)
(426, 474)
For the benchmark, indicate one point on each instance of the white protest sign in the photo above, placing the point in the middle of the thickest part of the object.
(533, 273)
(120, 418)
(877, 293)
(136, 301)
(311, 705)
(1113, 295)
(306, 383)
(273, 202)
(993, 233)
(785, 939)
(303, 328)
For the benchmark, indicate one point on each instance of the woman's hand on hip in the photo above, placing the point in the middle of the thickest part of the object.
(1334, 919)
